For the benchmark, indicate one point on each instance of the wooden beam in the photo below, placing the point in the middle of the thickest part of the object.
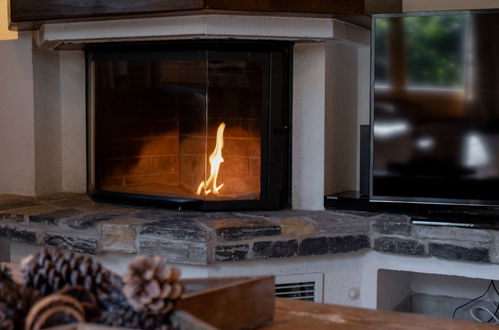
(31, 14)
(328, 7)
(24, 10)
(372, 7)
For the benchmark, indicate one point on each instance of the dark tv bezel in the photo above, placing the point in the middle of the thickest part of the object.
(413, 200)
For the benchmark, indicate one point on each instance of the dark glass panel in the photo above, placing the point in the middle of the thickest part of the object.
(157, 121)
(436, 108)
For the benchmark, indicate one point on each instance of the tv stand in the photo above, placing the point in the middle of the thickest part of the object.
(453, 223)
(420, 214)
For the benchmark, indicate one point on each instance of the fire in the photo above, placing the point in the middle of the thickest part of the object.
(210, 186)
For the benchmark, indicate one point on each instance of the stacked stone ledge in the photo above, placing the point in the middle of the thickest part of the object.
(76, 223)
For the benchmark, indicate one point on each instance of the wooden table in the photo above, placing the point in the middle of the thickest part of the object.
(298, 315)
(292, 314)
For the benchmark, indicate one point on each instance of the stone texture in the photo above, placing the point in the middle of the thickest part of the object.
(77, 223)
(155, 214)
(175, 251)
(363, 214)
(75, 243)
(393, 225)
(53, 217)
(26, 211)
(90, 220)
(177, 229)
(231, 252)
(79, 202)
(12, 217)
(453, 234)
(339, 223)
(399, 246)
(454, 252)
(234, 229)
(118, 238)
(494, 248)
(348, 243)
(272, 214)
(8, 202)
(314, 246)
(278, 249)
(18, 234)
(296, 226)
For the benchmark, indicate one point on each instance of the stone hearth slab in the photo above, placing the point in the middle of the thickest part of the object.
(74, 222)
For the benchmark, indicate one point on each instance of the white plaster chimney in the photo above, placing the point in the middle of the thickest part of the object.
(45, 113)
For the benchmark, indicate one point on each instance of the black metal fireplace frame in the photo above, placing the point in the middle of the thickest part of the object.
(276, 123)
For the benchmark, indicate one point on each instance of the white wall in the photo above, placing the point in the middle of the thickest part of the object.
(445, 285)
(46, 82)
(30, 118)
(17, 135)
(309, 102)
(42, 119)
(73, 119)
(30, 125)
(342, 272)
(428, 5)
(328, 92)
(58, 115)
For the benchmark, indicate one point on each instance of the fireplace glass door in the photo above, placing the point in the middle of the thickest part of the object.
(181, 124)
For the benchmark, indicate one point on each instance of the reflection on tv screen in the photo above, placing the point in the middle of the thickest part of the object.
(436, 108)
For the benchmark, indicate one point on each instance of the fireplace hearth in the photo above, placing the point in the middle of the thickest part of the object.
(197, 124)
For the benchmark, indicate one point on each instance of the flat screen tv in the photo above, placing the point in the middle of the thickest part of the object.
(435, 108)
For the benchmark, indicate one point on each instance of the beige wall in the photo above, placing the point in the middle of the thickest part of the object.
(30, 118)
(309, 102)
(39, 153)
(17, 140)
(73, 119)
(5, 34)
(427, 5)
(46, 84)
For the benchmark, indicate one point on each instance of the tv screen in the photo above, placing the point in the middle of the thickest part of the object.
(435, 108)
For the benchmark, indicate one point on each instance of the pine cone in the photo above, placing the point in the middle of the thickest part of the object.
(15, 301)
(6, 317)
(54, 310)
(151, 285)
(51, 270)
(126, 317)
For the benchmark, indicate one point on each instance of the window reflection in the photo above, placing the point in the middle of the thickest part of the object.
(436, 105)
(475, 151)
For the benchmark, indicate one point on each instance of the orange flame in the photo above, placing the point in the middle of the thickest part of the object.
(215, 160)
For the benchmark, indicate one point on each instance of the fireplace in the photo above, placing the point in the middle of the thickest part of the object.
(197, 124)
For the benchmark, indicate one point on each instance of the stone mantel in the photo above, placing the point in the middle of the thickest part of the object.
(75, 222)
(30, 15)
(75, 35)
